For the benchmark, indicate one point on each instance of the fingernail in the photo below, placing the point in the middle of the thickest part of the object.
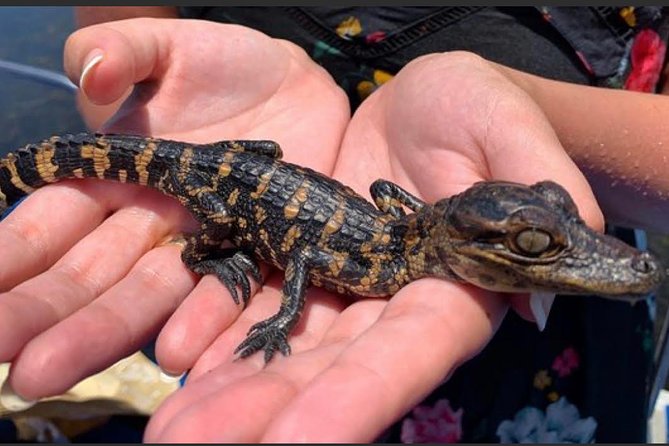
(93, 59)
(10, 400)
(169, 377)
(540, 304)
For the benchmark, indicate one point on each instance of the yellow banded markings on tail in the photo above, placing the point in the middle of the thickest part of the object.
(224, 170)
(233, 197)
(142, 160)
(336, 264)
(263, 183)
(184, 168)
(264, 237)
(290, 237)
(222, 218)
(225, 167)
(295, 202)
(184, 163)
(336, 220)
(236, 146)
(99, 154)
(260, 214)
(10, 163)
(163, 184)
(44, 162)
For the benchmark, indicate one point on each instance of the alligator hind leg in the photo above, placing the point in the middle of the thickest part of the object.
(204, 256)
(389, 198)
(203, 253)
(271, 334)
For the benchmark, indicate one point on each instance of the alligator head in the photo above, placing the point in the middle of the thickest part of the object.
(510, 237)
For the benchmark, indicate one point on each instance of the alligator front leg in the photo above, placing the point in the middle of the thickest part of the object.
(271, 334)
(389, 198)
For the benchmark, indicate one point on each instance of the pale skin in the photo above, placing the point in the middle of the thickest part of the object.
(106, 298)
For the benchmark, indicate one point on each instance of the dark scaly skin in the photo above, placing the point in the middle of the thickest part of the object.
(498, 235)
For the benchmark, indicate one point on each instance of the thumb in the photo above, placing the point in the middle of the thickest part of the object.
(106, 60)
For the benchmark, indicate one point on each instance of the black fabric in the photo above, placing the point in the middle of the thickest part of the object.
(586, 30)
(517, 37)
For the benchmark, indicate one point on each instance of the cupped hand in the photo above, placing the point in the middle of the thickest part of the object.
(86, 275)
(444, 122)
(96, 283)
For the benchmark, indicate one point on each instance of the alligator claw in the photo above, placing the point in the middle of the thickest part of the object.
(269, 335)
(232, 272)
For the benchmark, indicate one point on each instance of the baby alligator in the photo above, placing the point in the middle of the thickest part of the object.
(498, 235)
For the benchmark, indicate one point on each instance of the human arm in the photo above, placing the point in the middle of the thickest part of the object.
(618, 138)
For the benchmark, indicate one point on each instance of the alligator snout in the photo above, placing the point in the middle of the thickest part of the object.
(648, 268)
(645, 263)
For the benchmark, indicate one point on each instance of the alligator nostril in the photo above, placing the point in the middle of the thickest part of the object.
(644, 263)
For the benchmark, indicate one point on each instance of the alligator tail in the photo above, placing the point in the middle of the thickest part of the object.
(127, 159)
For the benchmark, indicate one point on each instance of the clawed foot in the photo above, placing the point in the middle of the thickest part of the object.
(269, 335)
(232, 272)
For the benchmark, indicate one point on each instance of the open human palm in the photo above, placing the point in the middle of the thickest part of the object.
(443, 123)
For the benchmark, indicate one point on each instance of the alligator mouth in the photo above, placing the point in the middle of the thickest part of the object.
(500, 274)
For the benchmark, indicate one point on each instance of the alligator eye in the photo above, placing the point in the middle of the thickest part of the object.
(533, 241)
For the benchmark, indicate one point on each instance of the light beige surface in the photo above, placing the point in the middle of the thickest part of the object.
(134, 385)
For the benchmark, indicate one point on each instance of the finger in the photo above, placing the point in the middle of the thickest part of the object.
(113, 57)
(116, 324)
(176, 417)
(321, 309)
(190, 420)
(260, 80)
(37, 232)
(205, 313)
(142, 50)
(102, 258)
(520, 302)
(543, 157)
(427, 330)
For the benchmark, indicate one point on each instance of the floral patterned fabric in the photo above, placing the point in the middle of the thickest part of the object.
(560, 424)
(433, 424)
(586, 377)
